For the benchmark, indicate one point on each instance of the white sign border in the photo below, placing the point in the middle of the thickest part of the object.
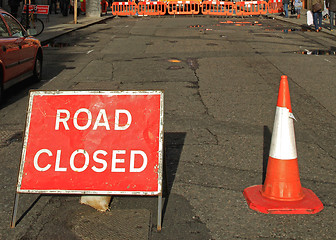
(34, 93)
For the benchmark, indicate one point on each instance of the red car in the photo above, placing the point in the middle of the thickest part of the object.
(20, 54)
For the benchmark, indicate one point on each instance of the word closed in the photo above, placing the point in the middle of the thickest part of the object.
(93, 142)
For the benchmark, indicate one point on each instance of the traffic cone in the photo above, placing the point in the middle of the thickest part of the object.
(282, 192)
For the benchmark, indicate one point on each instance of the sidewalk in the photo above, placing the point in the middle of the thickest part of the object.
(58, 25)
(302, 21)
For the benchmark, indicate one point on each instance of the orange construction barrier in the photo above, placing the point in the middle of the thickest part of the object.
(282, 192)
(263, 7)
(124, 8)
(83, 6)
(250, 8)
(183, 7)
(275, 6)
(152, 8)
(104, 5)
(218, 8)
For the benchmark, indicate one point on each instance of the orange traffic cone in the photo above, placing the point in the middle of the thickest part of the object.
(282, 192)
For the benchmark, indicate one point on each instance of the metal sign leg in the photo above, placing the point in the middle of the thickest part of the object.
(16, 203)
(159, 218)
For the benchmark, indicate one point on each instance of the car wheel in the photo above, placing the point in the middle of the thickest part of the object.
(37, 75)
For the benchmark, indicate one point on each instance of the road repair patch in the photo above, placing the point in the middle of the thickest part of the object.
(64, 218)
(115, 224)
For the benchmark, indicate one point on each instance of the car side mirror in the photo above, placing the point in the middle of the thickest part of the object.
(31, 32)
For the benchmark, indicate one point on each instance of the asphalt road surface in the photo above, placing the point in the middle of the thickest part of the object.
(220, 78)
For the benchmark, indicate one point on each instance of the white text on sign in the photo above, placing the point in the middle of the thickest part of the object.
(101, 120)
(117, 161)
(63, 116)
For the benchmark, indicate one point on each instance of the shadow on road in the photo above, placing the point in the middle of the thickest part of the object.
(28, 209)
(266, 150)
(173, 145)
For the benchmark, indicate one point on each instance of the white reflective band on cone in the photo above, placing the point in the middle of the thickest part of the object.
(283, 137)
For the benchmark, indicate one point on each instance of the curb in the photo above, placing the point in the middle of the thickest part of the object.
(303, 23)
(46, 40)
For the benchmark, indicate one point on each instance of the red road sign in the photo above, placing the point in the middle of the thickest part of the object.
(38, 9)
(93, 143)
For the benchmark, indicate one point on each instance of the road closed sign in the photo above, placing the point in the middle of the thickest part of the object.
(91, 142)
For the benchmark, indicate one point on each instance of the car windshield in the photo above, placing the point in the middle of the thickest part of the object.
(14, 26)
(3, 29)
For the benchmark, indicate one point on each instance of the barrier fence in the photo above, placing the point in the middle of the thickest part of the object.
(152, 8)
(124, 8)
(251, 8)
(183, 8)
(214, 8)
(275, 6)
(218, 8)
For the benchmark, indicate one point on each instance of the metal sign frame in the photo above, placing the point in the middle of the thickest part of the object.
(158, 192)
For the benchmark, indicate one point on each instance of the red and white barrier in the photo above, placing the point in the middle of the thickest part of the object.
(183, 8)
(152, 8)
(218, 8)
(124, 8)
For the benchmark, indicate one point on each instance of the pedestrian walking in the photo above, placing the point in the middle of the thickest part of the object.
(64, 4)
(285, 7)
(72, 5)
(331, 5)
(298, 6)
(14, 7)
(53, 6)
(317, 7)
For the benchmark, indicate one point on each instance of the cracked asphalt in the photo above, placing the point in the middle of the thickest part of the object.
(220, 79)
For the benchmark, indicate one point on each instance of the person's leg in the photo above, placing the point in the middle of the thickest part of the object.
(65, 8)
(298, 11)
(315, 20)
(331, 15)
(286, 10)
(320, 20)
(55, 6)
(52, 6)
